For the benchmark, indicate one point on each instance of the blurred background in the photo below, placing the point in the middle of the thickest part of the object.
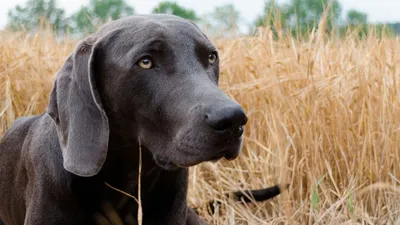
(216, 17)
(319, 80)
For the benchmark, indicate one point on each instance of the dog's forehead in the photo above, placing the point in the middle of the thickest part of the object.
(172, 29)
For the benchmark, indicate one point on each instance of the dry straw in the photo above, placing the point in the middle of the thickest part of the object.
(324, 116)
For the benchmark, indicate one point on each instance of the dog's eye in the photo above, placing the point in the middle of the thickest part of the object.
(212, 58)
(145, 62)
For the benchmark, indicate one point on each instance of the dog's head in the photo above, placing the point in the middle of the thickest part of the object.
(152, 78)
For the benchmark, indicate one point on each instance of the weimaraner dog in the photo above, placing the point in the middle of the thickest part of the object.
(145, 83)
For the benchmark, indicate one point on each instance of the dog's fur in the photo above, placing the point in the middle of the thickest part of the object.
(102, 106)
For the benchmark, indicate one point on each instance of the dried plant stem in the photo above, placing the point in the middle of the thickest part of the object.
(140, 211)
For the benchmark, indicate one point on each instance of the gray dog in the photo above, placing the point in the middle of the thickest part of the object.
(150, 80)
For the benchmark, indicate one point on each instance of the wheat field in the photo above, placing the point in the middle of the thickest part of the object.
(324, 117)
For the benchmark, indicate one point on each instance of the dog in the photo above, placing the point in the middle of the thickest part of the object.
(143, 90)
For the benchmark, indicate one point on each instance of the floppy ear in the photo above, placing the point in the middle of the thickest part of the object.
(76, 108)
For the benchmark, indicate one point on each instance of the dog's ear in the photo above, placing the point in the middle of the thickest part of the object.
(75, 107)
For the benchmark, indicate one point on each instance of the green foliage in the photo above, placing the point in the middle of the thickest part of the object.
(300, 16)
(357, 21)
(82, 21)
(297, 17)
(381, 30)
(307, 13)
(275, 16)
(350, 204)
(86, 19)
(395, 27)
(97, 13)
(226, 15)
(33, 12)
(355, 17)
(175, 9)
(315, 195)
(273, 13)
(222, 21)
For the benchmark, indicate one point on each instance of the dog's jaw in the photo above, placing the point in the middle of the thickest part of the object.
(166, 164)
(172, 160)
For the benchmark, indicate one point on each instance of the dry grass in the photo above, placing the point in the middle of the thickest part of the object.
(324, 117)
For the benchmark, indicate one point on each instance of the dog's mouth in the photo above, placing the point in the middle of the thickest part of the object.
(168, 163)
(216, 158)
(228, 155)
(188, 151)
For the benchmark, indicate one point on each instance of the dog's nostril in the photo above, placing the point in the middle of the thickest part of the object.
(223, 125)
(244, 122)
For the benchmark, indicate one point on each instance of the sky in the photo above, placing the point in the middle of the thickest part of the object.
(377, 10)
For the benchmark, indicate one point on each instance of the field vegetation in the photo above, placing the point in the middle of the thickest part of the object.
(324, 117)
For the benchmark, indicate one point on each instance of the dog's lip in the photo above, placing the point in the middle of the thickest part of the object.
(231, 155)
(217, 157)
(230, 158)
(224, 152)
(213, 159)
(167, 163)
(184, 166)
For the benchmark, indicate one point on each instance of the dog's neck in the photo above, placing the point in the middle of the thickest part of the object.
(160, 189)
(122, 161)
(121, 168)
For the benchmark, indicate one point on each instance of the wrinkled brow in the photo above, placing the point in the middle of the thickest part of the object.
(154, 45)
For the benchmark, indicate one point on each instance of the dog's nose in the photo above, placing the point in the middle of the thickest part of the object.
(224, 119)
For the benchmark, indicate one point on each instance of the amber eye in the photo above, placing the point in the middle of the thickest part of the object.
(145, 62)
(212, 58)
